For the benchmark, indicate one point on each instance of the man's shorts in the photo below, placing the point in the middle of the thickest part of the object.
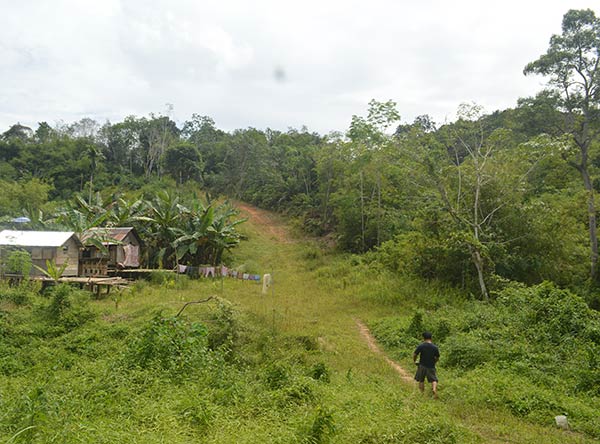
(425, 372)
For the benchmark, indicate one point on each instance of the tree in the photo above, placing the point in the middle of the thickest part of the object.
(572, 64)
(183, 162)
(158, 134)
(94, 154)
(18, 131)
(479, 179)
(369, 146)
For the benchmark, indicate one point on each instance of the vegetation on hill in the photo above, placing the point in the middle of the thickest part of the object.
(482, 230)
(489, 197)
(291, 366)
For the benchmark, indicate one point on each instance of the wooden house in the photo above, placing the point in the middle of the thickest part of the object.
(120, 250)
(58, 246)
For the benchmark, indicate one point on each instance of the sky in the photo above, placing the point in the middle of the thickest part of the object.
(268, 63)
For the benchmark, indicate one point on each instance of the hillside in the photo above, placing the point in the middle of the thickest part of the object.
(291, 366)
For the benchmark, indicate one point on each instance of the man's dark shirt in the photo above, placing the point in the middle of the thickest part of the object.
(429, 354)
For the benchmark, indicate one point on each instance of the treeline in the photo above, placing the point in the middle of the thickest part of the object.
(484, 199)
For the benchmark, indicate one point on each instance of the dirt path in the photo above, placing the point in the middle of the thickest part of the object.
(278, 231)
(307, 306)
(266, 222)
(372, 343)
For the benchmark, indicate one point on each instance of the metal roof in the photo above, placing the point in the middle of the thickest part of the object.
(35, 238)
(109, 233)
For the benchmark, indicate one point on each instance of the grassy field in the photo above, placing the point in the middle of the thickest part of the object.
(287, 367)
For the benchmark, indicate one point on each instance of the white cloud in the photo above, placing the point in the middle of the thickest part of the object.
(267, 63)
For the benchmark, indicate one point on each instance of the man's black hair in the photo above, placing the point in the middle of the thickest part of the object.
(426, 335)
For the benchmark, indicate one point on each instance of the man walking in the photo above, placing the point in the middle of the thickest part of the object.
(429, 355)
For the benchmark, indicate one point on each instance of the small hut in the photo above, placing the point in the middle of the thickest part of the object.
(58, 246)
(120, 250)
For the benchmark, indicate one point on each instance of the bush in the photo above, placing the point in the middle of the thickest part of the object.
(466, 351)
(320, 372)
(416, 327)
(169, 343)
(19, 295)
(547, 313)
(224, 329)
(321, 427)
(19, 262)
(68, 307)
(392, 333)
(277, 375)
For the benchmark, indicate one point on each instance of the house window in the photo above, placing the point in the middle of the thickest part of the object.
(36, 253)
(47, 253)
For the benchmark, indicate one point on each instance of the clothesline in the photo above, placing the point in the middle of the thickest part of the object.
(213, 272)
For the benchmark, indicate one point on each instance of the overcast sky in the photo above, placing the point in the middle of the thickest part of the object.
(267, 63)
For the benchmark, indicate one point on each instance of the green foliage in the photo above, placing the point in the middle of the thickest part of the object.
(19, 262)
(517, 353)
(52, 270)
(321, 428)
(415, 328)
(169, 343)
(422, 431)
(466, 351)
(224, 327)
(320, 372)
(68, 307)
(23, 196)
(20, 294)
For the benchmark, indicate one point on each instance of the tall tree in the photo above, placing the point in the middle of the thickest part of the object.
(572, 64)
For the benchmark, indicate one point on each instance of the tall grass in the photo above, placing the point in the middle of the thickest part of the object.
(288, 366)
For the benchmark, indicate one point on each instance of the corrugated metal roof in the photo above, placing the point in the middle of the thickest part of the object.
(35, 238)
(116, 233)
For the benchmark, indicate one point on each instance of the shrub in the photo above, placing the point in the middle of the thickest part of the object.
(224, 329)
(19, 262)
(466, 351)
(169, 343)
(392, 333)
(320, 372)
(547, 313)
(277, 375)
(68, 307)
(19, 295)
(441, 331)
(321, 427)
(416, 328)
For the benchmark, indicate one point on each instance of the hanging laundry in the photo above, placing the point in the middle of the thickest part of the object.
(210, 271)
(132, 255)
(224, 270)
(181, 269)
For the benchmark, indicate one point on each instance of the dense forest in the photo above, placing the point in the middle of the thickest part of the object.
(488, 197)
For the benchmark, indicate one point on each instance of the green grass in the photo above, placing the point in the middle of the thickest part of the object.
(286, 367)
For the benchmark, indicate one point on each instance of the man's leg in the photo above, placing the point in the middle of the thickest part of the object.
(422, 386)
(434, 388)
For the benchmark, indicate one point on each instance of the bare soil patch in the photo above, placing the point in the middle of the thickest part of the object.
(372, 343)
(267, 222)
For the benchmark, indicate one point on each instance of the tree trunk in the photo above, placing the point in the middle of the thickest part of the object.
(478, 261)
